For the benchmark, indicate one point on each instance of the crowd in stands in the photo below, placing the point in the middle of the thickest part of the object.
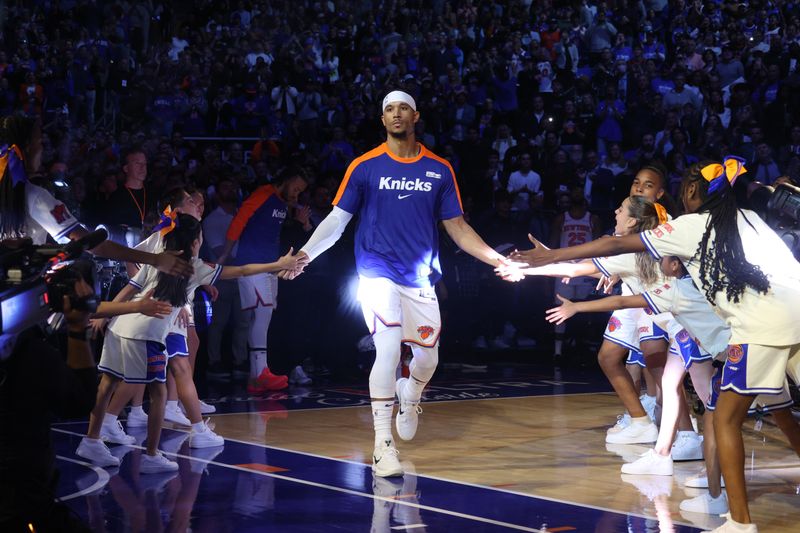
(528, 100)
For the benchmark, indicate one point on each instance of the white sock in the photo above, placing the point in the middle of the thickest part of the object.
(641, 420)
(382, 420)
(138, 410)
(413, 388)
(258, 362)
(172, 404)
(109, 419)
(198, 427)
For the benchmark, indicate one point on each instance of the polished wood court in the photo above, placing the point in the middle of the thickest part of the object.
(545, 446)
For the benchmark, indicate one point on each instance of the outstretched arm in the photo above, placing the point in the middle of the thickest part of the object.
(167, 262)
(569, 308)
(287, 262)
(540, 255)
(469, 241)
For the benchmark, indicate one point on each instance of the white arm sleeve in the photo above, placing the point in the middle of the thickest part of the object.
(327, 233)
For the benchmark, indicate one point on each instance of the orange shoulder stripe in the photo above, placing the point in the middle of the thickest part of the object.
(249, 206)
(372, 154)
(445, 162)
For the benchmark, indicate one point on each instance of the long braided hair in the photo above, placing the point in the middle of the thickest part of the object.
(14, 129)
(723, 265)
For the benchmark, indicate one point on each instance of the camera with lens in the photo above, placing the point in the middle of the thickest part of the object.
(779, 206)
(34, 281)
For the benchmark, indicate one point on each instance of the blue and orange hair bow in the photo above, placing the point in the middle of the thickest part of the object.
(168, 222)
(718, 175)
(11, 160)
(661, 212)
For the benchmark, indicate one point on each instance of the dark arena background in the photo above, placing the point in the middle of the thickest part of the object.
(545, 111)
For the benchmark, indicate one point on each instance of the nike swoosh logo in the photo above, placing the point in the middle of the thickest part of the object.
(376, 459)
(402, 196)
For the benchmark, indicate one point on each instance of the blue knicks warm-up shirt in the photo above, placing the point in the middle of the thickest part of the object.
(257, 227)
(400, 202)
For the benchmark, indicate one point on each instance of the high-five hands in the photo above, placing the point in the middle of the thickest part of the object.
(539, 255)
(294, 264)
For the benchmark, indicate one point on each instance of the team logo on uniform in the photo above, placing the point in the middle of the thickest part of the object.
(658, 233)
(667, 227)
(644, 329)
(682, 336)
(425, 332)
(614, 324)
(432, 174)
(735, 353)
(60, 213)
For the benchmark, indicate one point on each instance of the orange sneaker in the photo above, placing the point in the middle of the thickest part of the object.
(266, 382)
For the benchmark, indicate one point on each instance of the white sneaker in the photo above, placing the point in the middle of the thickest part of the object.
(649, 464)
(298, 377)
(96, 452)
(623, 421)
(635, 433)
(136, 420)
(730, 526)
(407, 414)
(386, 460)
(649, 404)
(701, 482)
(206, 409)
(176, 416)
(205, 438)
(688, 446)
(114, 434)
(705, 503)
(152, 464)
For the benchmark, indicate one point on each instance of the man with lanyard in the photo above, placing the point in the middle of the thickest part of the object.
(130, 204)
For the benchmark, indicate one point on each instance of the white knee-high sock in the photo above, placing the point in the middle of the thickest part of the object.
(260, 318)
(422, 367)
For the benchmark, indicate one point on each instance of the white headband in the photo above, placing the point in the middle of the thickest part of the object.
(399, 96)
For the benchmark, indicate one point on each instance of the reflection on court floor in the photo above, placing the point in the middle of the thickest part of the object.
(508, 462)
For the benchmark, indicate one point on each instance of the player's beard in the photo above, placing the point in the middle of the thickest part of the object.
(399, 135)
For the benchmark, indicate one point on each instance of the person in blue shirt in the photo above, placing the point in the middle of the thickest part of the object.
(400, 191)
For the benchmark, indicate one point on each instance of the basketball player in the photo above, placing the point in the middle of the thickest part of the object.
(400, 190)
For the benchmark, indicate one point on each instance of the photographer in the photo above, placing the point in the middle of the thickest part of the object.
(36, 384)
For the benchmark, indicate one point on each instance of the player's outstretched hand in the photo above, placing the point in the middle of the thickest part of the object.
(292, 264)
(539, 255)
(154, 308)
(511, 271)
(561, 313)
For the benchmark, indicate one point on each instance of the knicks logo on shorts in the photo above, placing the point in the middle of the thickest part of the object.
(716, 383)
(682, 336)
(425, 332)
(614, 324)
(736, 352)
